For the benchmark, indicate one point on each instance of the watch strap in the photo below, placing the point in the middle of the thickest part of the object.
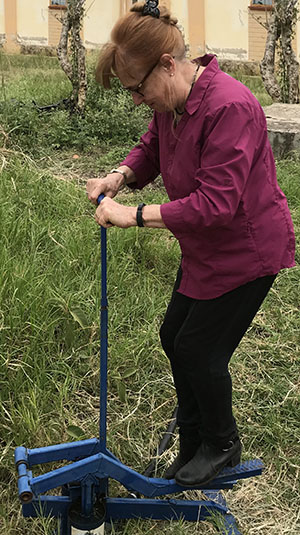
(139, 215)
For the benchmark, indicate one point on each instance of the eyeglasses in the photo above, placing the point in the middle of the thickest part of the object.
(137, 88)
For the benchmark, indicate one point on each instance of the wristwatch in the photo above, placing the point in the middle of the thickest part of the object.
(121, 173)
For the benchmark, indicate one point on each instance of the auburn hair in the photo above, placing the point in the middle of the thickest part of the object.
(143, 38)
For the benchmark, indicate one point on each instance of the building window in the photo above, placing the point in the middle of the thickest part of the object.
(264, 5)
(58, 2)
(262, 2)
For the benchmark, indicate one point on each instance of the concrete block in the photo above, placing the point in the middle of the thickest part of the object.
(283, 122)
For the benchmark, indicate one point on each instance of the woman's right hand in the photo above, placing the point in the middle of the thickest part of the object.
(108, 185)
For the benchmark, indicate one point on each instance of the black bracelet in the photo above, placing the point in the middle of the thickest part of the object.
(139, 215)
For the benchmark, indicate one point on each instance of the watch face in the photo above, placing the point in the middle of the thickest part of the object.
(118, 171)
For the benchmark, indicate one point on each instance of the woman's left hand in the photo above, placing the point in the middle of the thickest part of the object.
(110, 213)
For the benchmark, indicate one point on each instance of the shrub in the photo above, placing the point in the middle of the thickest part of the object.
(110, 118)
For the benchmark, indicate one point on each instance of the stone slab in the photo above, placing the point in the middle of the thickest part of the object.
(283, 122)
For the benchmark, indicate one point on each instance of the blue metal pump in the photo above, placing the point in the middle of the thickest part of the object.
(84, 502)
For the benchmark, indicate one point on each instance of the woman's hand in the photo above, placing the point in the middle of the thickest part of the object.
(109, 186)
(110, 213)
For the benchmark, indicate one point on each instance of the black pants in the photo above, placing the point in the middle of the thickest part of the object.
(199, 337)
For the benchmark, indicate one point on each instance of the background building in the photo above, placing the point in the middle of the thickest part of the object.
(230, 29)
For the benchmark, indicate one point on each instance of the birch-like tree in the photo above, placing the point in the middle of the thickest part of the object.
(72, 54)
(282, 80)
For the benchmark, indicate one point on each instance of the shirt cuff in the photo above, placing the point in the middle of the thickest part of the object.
(145, 172)
(171, 213)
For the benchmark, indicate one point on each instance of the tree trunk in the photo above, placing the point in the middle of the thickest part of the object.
(267, 66)
(290, 86)
(281, 28)
(62, 49)
(73, 61)
(81, 81)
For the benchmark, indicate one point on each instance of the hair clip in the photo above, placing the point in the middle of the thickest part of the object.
(150, 8)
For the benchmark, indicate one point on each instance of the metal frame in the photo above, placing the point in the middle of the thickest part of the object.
(84, 502)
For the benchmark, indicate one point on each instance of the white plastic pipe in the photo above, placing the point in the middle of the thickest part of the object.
(98, 531)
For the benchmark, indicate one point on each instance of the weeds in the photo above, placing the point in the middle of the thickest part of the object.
(110, 116)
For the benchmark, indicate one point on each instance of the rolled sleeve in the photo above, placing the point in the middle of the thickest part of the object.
(225, 165)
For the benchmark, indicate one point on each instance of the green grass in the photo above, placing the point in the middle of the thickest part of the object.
(49, 338)
(110, 117)
(32, 77)
(50, 261)
(256, 85)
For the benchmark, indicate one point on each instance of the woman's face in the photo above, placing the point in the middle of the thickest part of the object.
(150, 87)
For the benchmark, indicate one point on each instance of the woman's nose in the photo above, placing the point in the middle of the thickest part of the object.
(137, 98)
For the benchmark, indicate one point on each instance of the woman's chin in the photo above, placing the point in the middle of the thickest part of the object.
(160, 107)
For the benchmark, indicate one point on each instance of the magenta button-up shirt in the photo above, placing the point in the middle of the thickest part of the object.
(226, 209)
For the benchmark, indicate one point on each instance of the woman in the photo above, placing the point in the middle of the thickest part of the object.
(208, 139)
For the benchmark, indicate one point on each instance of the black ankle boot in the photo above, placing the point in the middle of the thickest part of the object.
(208, 462)
(188, 446)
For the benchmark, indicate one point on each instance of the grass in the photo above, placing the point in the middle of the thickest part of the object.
(110, 117)
(256, 85)
(49, 332)
(32, 77)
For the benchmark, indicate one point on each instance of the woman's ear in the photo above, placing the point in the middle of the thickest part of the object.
(168, 63)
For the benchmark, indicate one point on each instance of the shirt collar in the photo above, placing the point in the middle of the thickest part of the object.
(212, 67)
